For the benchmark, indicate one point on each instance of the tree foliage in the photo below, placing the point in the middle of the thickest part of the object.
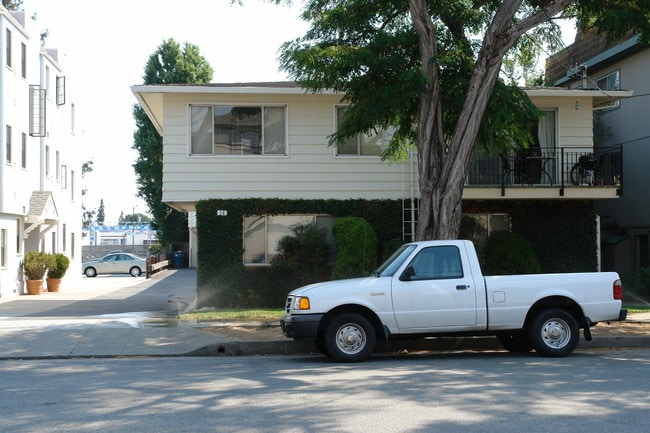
(433, 70)
(169, 64)
(12, 5)
(101, 212)
(86, 214)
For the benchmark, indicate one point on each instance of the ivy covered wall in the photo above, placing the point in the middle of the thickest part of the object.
(222, 279)
(563, 234)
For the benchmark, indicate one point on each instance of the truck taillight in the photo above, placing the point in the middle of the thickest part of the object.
(618, 289)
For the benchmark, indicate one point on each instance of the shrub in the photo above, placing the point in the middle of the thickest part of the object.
(35, 264)
(303, 256)
(356, 244)
(59, 265)
(508, 253)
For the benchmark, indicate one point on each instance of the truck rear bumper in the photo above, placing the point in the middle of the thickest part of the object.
(301, 327)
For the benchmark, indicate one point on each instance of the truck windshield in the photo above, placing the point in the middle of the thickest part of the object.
(390, 266)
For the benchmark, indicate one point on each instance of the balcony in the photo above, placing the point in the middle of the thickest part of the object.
(541, 174)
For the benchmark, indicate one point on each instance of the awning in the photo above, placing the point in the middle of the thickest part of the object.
(42, 211)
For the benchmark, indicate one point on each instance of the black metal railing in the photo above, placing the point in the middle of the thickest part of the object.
(563, 167)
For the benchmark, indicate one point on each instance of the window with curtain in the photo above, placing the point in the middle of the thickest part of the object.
(238, 130)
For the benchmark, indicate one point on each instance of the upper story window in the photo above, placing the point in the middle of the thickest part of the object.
(238, 130)
(8, 144)
(8, 42)
(23, 60)
(23, 151)
(361, 144)
(611, 81)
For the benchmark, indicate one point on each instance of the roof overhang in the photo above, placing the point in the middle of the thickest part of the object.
(151, 97)
(599, 97)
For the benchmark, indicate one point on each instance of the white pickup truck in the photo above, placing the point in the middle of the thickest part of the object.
(436, 288)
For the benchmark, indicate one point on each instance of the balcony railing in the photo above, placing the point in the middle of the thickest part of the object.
(564, 167)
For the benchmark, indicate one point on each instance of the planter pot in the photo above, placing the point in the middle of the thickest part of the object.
(34, 287)
(53, 284)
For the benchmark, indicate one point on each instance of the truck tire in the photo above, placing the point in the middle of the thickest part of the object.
(554, 333)
(515, 343)
(349, 337)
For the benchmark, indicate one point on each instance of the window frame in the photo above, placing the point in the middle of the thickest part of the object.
(23, 60)
(383, 137)
(264, 152)
(325, 221)
(23, 151)
(8, 48)
(8, 144)
(617, 86)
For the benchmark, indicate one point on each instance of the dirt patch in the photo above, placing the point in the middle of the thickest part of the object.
(263, 333)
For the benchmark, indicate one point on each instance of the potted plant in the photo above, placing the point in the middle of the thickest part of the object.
(58, 267)
(35, 265)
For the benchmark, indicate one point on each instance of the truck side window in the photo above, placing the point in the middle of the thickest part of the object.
(437, 263)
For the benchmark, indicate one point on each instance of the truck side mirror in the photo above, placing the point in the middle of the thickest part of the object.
(407, 274)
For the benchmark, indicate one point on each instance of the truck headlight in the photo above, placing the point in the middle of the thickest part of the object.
(301, 303)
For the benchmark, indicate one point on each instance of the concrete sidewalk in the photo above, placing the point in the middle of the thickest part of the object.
(105, 316)
(112, 316)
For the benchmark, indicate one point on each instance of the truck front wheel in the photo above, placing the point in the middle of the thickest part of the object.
(349, 337)
(554, 333)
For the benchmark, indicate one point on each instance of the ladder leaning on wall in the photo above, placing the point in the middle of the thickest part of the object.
(410, 201)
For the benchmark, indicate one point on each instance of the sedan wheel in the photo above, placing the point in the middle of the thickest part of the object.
(90, 272)
(135, 271)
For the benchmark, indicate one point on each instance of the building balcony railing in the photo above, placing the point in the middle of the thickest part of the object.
(562, 168)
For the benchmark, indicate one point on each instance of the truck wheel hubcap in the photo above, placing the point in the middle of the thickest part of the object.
(556, 333)
(350, 338)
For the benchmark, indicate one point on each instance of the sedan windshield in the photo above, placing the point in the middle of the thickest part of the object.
(395, 261)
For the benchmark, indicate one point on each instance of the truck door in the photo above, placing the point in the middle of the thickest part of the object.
(435, 291)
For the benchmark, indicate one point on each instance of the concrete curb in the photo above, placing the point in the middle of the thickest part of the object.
(290, 347)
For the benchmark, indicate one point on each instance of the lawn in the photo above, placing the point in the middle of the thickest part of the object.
(215, 315)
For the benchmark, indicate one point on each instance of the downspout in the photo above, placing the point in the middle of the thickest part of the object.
(41, 139)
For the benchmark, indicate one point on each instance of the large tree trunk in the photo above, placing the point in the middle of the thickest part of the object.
(443, 165)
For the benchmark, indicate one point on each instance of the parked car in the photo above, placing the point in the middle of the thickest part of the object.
(437, 289)
(115, 263)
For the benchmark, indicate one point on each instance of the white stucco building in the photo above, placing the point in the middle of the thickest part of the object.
(40, 172)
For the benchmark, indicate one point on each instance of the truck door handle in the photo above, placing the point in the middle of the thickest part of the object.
(461, 287)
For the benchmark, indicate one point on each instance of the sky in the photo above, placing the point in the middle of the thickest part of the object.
(103, 49)
(104, 46)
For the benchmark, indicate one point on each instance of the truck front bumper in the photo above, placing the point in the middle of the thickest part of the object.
(301, 327)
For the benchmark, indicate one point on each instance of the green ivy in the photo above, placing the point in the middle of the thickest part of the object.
(356, 243)
(223, 280)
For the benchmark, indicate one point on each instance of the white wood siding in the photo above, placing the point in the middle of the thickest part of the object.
(311, 170)
(574, 126)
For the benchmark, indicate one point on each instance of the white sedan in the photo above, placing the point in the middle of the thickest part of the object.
(115, 263)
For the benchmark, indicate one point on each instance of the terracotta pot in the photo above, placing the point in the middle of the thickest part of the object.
(34, 287)
(53, 284)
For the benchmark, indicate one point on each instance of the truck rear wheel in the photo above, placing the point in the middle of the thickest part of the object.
(554, 333)
(349, 337)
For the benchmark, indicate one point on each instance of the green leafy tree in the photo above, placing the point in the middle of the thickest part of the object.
(170, 63)
(12, 5)
(433, 70)
(101, 213)
(86, 214)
